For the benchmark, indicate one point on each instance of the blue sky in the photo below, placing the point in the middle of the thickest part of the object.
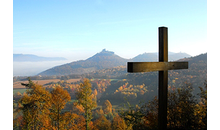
(77, 29)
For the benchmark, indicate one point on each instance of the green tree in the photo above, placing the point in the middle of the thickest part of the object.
(86, 99)
(29, 85)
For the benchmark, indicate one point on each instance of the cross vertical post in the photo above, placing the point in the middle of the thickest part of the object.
(162, 66)
(163, 79)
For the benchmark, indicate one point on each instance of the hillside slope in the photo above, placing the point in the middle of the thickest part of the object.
(153, 57)
(196, 73)
(102, 60)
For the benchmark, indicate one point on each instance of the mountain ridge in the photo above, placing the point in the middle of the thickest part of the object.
(34, 58)
(196, 63)
(102, 60)
(153, 57)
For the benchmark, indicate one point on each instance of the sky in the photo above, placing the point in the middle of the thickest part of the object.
(78, 29)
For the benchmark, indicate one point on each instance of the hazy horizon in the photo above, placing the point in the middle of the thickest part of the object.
(78, 57)
(56, 28)
(29, 68)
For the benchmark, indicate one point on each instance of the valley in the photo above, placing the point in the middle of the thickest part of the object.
(118, 76)
(123, 91)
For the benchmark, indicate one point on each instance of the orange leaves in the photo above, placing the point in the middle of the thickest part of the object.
(142, 92)
(95, 92)
(102, 123)
(107, 107)
(59, 98)
(78, 108)
(35, 105)
(44, 110)
(118, 123)
(120, 88)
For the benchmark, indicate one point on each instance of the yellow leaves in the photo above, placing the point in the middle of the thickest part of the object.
(35, 105)
(118, 123)
(95, 92)
(25, 99)
(46, 122)
(102, 123)
(44, 107)
(78, 108)
(141, 86)
(107, 107)
(68, 121)
(59, 98)
(130, 91)
(99, 112)
(37, 94)
(85, 98)
(142, 92)
(120, 88)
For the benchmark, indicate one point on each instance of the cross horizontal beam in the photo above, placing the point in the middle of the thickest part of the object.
(134, 67)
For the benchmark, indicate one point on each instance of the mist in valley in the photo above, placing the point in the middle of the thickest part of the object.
(34, 68)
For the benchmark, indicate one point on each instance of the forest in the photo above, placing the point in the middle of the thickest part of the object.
(107, 104)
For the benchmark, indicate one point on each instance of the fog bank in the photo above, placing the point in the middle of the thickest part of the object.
(34, 68)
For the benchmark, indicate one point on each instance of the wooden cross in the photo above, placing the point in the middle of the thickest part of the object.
(162, 66)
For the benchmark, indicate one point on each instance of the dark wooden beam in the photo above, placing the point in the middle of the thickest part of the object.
(163, 44)
(163, 79)
(135, 67)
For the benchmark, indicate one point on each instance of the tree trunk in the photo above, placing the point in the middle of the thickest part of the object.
(58, 119)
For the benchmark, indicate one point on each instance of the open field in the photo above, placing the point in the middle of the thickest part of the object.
(21, 90)
(18, 85)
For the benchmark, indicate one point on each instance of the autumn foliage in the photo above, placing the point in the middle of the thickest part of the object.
(107, 107)
(86, 99)
(184, 111)
(66, 106)
(43, 110)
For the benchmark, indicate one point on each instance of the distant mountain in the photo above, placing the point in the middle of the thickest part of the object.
(34, 58)
(102, 60)
(145, 57)
(177, 56)
(197, 68)
(152, 57)
(202, 58)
